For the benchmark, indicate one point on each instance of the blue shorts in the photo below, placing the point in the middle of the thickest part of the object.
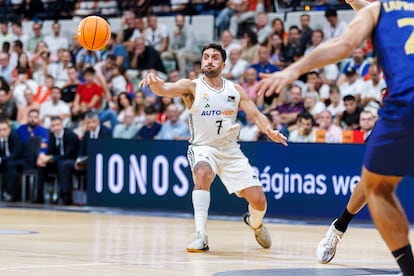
(390, 147)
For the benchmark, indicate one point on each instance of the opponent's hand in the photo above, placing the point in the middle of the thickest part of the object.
(150, 79)
(276, 136)
(274, 83)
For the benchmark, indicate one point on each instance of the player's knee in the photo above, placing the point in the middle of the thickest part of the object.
(203, 170)
(257, 200)
(260, 202)
(377, 188)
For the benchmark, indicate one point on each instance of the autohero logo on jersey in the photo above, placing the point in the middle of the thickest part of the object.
(216, 112)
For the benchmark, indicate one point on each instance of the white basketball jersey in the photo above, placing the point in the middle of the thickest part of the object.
(213, 115)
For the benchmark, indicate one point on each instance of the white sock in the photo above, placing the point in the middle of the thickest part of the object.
(201, 203)
(256, 216)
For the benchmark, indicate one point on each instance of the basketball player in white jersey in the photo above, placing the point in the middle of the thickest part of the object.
(213, 103)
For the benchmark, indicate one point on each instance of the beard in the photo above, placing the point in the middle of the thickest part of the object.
(211, 73)
(32, 124)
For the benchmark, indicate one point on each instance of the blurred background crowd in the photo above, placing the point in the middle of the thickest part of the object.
(51, 86)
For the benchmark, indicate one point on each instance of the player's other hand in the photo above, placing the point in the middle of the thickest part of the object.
(276, 136)
(274, 83)
(150, 79)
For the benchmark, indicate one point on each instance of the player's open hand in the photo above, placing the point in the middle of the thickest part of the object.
(150, 79)
(276, 136)
(274, 83)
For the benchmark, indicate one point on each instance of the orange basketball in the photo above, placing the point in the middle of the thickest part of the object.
(93, 33)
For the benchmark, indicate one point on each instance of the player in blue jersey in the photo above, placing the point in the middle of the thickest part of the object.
(327, 246)
(389, 150)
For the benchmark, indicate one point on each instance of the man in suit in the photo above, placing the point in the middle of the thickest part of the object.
(63, 145)
(13, 158)
(94, 131)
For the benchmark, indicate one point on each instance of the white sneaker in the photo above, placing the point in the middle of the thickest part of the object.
(327, 246)
(199, 244)
(260, 233)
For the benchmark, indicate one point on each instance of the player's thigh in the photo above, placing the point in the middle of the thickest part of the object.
(378, 184)
(202, 162)
(235, 171)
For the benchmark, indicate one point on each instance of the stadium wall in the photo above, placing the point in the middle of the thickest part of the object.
(300, 181)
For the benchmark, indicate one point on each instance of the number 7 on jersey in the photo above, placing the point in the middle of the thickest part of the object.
(219, 124)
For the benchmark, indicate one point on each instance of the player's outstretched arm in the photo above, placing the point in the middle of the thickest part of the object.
(357, 4)
(169, 89)
(328, 52)
(260, 120)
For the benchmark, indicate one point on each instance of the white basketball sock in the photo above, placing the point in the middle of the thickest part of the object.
(201, 203)
(256, 216)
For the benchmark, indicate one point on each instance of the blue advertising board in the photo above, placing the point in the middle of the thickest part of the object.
(301, 180)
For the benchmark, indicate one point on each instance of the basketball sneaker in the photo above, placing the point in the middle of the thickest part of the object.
(199, 244)
(327, 246)
(260, 233)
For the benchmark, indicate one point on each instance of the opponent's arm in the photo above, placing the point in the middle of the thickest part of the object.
(169, 89)
(357, 4)
(329, 52)
(260, 120)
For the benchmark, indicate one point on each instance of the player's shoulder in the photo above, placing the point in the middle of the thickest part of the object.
(187, 82)
(190, 85)
(238, 88)
(372, 8)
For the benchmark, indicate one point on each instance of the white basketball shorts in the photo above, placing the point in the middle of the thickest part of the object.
(229, 163)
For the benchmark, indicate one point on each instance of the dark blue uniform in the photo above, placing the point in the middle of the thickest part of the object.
(390, 149)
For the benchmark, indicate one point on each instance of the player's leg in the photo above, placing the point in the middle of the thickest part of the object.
(327, 246)
(257, 204)
(389, 217)
(257, 210)
(203, 175)
(356, 202)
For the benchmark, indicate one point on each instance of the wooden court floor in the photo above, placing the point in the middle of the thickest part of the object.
(89, 243)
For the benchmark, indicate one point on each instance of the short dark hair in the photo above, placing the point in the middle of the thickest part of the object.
(17, 22)
(89, 70)
(217, 47)
(313, 72)
(55, 118)
(150, 110)
(91, 114)
(348, 98)
(4, 120)
(111, 57)
(58, 88)
(33, 110)
(330, 12)
(305, 116)
(18, 43)
(295, 27)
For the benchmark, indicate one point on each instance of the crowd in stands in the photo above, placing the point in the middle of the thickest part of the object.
(52, 88)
